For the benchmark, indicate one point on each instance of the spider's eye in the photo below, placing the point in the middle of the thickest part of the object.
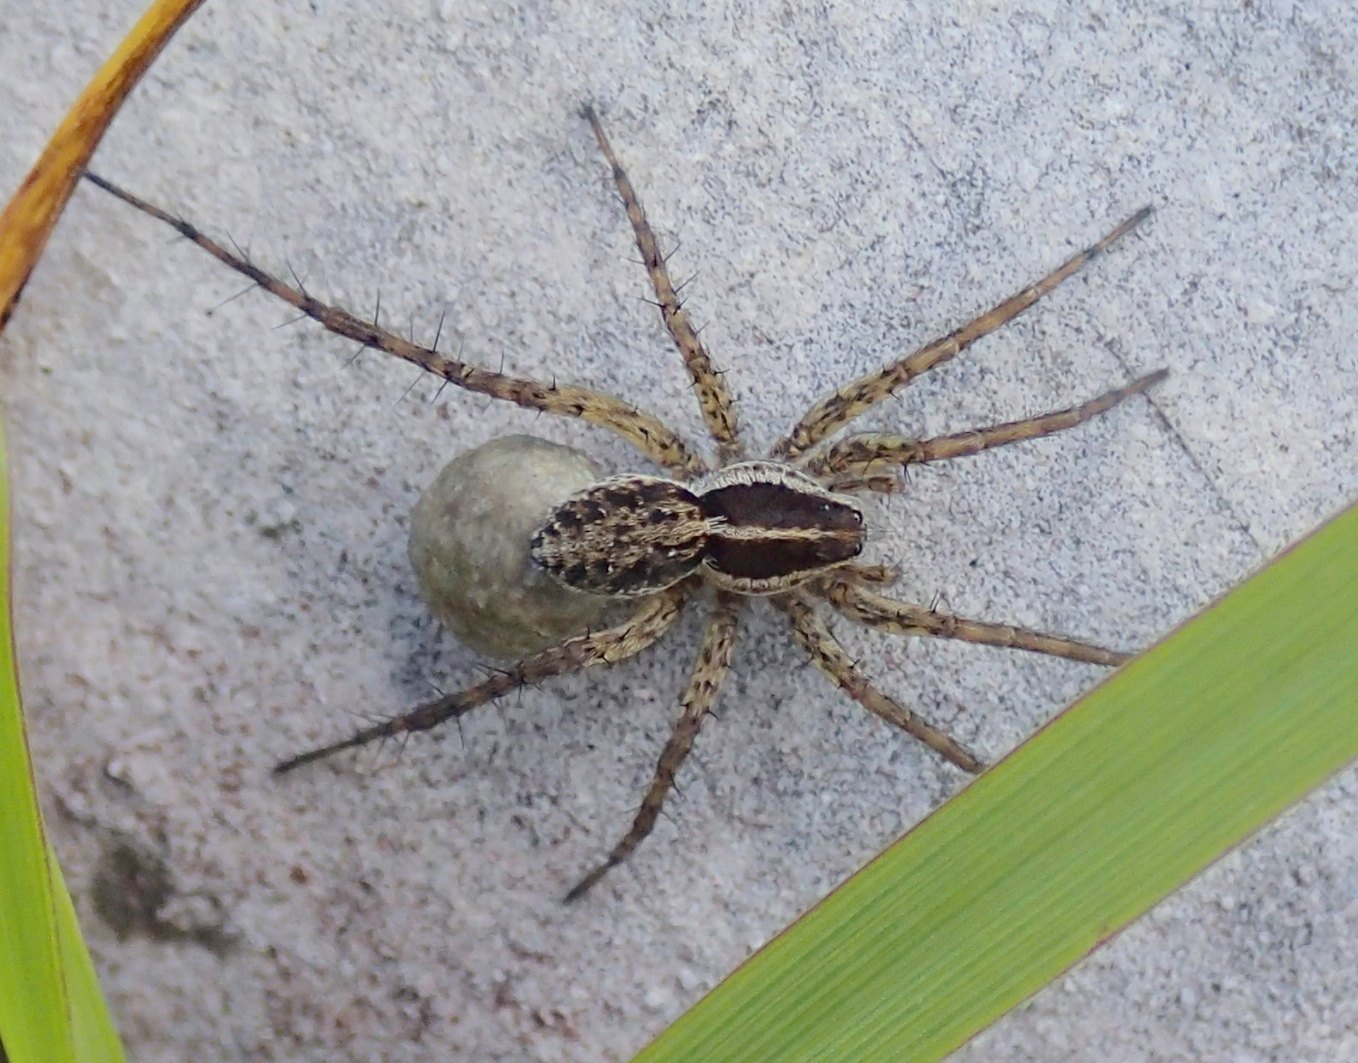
(857, 517)
(857, 549)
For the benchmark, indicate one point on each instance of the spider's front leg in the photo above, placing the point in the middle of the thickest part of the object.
(714, 658)
(655, 617)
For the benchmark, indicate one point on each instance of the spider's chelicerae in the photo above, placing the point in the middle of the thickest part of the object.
(783, 527)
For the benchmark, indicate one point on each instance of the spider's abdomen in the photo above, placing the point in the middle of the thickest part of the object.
(631, 535)
(773, 527)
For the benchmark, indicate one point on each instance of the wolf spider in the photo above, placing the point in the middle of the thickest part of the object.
(782, 527)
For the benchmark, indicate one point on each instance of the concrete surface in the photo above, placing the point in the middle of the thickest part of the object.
(212, 510)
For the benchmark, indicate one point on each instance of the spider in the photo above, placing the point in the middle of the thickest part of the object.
(784, 527)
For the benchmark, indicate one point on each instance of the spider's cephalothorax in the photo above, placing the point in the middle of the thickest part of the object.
(755, 527)
(781, 528)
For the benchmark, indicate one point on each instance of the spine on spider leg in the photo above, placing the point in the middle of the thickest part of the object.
(647, 433)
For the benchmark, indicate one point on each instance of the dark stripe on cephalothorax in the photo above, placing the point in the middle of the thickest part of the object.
(779, 505)
(774, 523)
(763, 558)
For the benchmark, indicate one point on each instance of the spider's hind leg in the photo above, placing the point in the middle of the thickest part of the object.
(714, 658)
(609, 646)
(713, 395)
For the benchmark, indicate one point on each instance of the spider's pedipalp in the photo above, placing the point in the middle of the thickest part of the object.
(714, 398)
(609, 646)
(648, 434)
(855, 482)
(813, 635)
(870, 609)
(840, 407)
(714, 659)
(869, 575)
(862, 455)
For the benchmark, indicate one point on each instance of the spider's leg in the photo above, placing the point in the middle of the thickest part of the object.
(714, 657)
(864, 455)
(608, 646)
(713, 396)
(874, 610)
(645, 432)
(840, 407)
(815, 638)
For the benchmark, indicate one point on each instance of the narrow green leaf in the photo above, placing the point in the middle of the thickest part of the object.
(50, 1005)
(1188, 750)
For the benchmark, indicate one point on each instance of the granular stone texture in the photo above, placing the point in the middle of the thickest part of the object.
(211, 502)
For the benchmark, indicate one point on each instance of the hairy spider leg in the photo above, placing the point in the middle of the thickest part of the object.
(714, 658)
(873, 610)
(841, 406)
(645, 432)
(609, 646)
(864, 454)
(714, 398)
(819, 643)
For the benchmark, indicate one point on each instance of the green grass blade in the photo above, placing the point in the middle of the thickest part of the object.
(1124, 797)
(50, 1004)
